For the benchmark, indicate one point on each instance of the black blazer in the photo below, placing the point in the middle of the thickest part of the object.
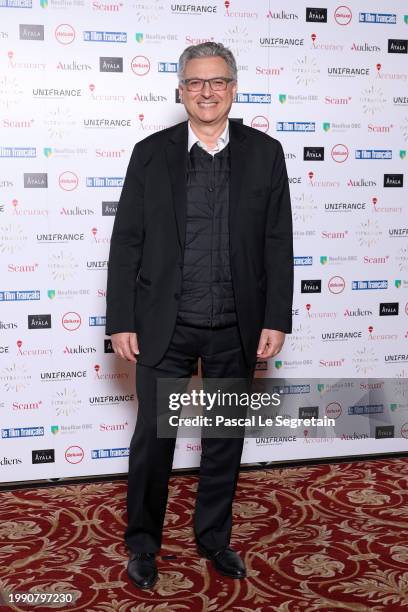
(146, 251)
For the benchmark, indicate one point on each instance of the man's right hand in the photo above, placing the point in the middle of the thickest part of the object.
(125, 345)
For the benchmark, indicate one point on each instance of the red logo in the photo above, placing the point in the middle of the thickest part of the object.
(260, 123)
(333, 410)
(68, 181)
(339, 153)
(140, 65)
(336, 284)
(65, 34)
(404, 430)
(74, 454)
(343, 15)
(71, 321)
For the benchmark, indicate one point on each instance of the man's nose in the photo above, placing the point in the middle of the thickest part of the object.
(206, 90)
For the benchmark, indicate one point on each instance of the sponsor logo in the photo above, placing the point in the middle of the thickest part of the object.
(252, 98)
(303, 260)
(109, 209)
(22, 432)
(340, 336)
(79, 350)
(107, 346)
(107, 7)
(35, 180)
(15, 377)
(360, 409)
(68, 181)
(317, 15)
(16, 3)
(311, 286)
(64, 34)
(109, 453)
(339, 153)
(400, 100)
(75, 211)
(104, 181)
(333, 410)
(373, 154)
(105, 37)
(365, 47)
(18, 152)
(308, 412)
(384, 18)
(108, 124)
(336, 284)
(365, 285)
(74, 65)
(32, 352)
(343, 15)
(99, 375)
(340, 127)
(344, 206)
(334, 235)
(375, 260)
(97, 321)
(39, 321)
(389, 309)
(393, 180)
(101, 264)
(19, 296)
(43, 456)
(60, 375)
(276, 42)
(74, 454)
(111, 64)
(295, 126)
(384, 431)
(397, 45)
(71, 321)
(260, 122)
(31, 32)
(111, 400)
(9, 460)
(313, 153)
(395, 358)
(57, 93)
(140, 65)
(167, 67)
(347, 71)
(27, 405)
(306, 70)
(337, 101)
(59, 238)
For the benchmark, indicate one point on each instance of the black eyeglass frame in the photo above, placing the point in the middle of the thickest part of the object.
(226, 80)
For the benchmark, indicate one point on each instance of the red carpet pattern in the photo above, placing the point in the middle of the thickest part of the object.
(326, 537)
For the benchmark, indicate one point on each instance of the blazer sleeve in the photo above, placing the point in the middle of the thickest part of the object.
(126, 250)
(278, 255)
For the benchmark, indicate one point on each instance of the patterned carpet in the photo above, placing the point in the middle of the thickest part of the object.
(326, 537)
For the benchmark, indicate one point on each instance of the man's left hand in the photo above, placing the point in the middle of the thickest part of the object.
(270, 343)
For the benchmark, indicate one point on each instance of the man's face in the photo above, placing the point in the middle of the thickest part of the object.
(207, 106)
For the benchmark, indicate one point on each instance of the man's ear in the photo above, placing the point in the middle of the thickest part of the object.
(180, 89)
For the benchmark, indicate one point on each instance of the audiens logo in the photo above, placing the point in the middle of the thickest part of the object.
(111, 64)
(39, 321)
(311, 286)
(43, 456)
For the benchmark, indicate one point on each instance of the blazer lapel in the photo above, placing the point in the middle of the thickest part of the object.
(239, 162)
(176, 154)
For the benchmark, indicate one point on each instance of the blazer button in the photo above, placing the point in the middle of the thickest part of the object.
(176, 296)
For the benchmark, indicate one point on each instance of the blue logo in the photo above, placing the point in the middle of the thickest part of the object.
(97, 320)
(295, 126)
(253, 98)
(105, 37)
(104, 181)
(18, 152)
(19, 296)
(377, 18)
(373, 154)
(366, 409)
(369, 284)
(305, 260)
(16, 4)
(167, 66)
(22, 432)
(109, 453)
(291, 389)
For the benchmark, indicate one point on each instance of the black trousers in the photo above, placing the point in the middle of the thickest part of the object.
(151, 458)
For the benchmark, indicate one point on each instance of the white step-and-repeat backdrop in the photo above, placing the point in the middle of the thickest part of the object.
(80, 82)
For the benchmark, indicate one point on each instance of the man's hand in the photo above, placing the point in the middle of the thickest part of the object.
(270, 343)
(125, 345)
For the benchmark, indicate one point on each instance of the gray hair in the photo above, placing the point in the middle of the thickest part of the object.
(207, 49)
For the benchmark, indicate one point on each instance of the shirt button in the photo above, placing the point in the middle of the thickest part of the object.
(210, 189)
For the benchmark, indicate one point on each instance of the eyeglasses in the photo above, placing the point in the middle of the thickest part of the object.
(216, 84)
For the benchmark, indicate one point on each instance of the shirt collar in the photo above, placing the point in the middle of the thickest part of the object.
(222, 140)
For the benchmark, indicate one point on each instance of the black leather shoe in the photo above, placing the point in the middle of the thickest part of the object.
(142, 569)
(225, 561)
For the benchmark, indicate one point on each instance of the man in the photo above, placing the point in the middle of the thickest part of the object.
(200, 266)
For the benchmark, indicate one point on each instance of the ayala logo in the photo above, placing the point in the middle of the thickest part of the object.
(109, 209)
(35, 180)
(388, 309)
(311, 286)
(384, 431)
(111, 64)
(308, 412)
(317, 15)
(31, 32)
(43, 456)
(39, 321)
(397, 46)
(313, 153)
(393, 180)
